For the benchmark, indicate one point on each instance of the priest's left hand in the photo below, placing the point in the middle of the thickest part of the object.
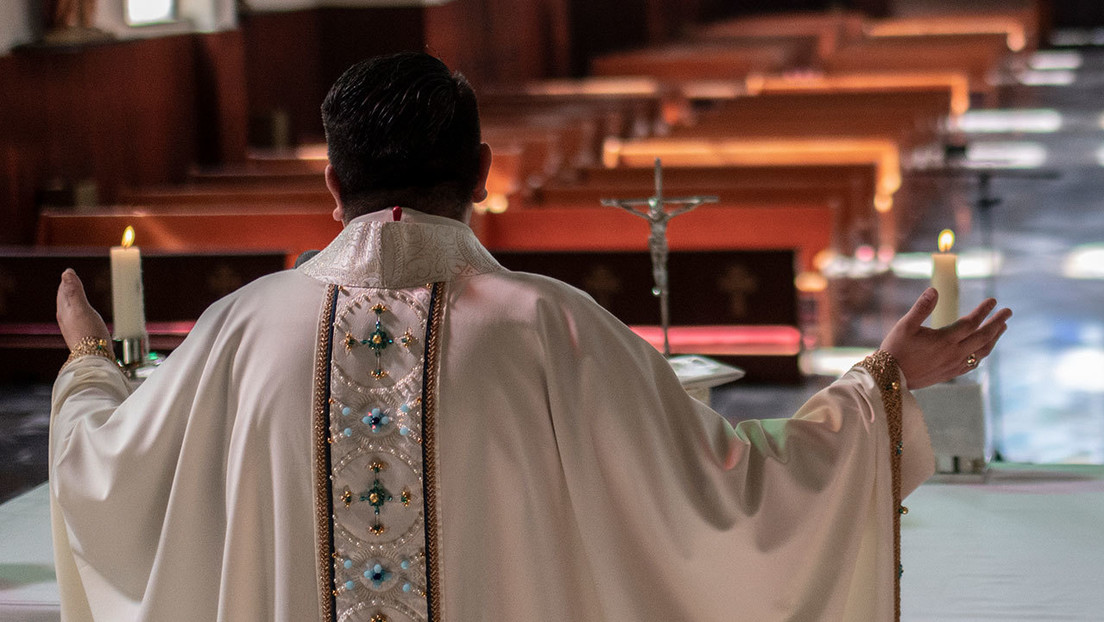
(929, 356)
(75, 316)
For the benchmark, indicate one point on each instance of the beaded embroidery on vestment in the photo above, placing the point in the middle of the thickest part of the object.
(376, 467)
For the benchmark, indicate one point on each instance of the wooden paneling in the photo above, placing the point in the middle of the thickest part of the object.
(351, 35)
(142, 112)
(292, 58)
(283, 62)
(593, 32)
(122, 113)
(501, 41)
(222, 105)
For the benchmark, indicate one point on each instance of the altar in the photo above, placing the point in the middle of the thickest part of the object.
(1025, 545)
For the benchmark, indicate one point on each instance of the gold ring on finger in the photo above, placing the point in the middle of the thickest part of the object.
(971, 361)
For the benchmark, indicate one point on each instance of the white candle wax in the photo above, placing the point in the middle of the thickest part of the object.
(945, 281)
(127, 301)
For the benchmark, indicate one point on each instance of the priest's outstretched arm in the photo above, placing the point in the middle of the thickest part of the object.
(799, 511)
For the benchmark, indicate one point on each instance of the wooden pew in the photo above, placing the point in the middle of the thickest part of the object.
(531, 145)
(1020, 28)
(697, 60)
(736, 305)
(293, 231)
(544, 151)
(675, 153)
(178, 287)
(746, 255)
(300, 181)
(976, 55)
(518, 166)
(289, 232)
(559, 127)
(766, 344)
(227, 195)
(709, 227)
(953, 85)
(845, 190)
(626, 106)
(239, 177)
(302, 159)
(907, 118)
(830, 28)
(288, 229)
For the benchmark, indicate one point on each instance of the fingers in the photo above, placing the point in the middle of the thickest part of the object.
(76, 317)
(984, 350)
(970, 322)
(981, 343)
(65, 291)
(990, 332)
(70, 292)
(74, 286)
(922, 308)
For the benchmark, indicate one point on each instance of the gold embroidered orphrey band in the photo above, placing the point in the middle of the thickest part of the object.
(323, 501)
(322, 459)
(886, 373)
(429, 448)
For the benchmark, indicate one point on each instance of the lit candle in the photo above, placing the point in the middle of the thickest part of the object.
(128, 304)
(945, 281)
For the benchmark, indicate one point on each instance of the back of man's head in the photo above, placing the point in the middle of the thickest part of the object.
(403, 130)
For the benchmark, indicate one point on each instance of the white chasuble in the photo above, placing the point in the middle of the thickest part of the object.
(400, 430)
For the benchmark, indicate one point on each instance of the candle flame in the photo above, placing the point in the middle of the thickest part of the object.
(946, 240)
(128, 237)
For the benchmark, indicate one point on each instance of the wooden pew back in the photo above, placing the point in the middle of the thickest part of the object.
(908, 118)
(685, 61)
(846, 190)
(709, 227)
(976, 55)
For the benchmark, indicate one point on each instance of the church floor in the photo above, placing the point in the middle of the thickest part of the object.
(1045, 382)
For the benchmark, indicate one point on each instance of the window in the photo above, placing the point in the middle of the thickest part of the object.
(142, 12)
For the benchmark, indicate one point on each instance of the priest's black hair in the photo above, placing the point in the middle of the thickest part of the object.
(403, 130)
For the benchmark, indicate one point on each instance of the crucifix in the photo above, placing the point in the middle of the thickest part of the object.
(653, 209)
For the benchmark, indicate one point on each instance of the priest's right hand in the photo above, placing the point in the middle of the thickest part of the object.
(75, 316)
(929, 356)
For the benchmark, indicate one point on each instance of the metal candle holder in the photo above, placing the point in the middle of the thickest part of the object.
(133, 354)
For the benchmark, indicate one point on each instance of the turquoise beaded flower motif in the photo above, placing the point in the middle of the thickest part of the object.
(376, 420)
(378, 575)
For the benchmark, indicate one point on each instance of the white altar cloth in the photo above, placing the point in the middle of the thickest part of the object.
(1026, 545)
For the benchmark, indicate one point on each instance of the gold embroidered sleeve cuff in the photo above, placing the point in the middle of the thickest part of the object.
(887, 376)
(90, 346)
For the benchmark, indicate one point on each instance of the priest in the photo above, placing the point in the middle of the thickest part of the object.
(400, 429)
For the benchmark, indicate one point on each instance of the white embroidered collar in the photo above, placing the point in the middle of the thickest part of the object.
(375, 251)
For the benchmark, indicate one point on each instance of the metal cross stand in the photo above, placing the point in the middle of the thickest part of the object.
(655, 213)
